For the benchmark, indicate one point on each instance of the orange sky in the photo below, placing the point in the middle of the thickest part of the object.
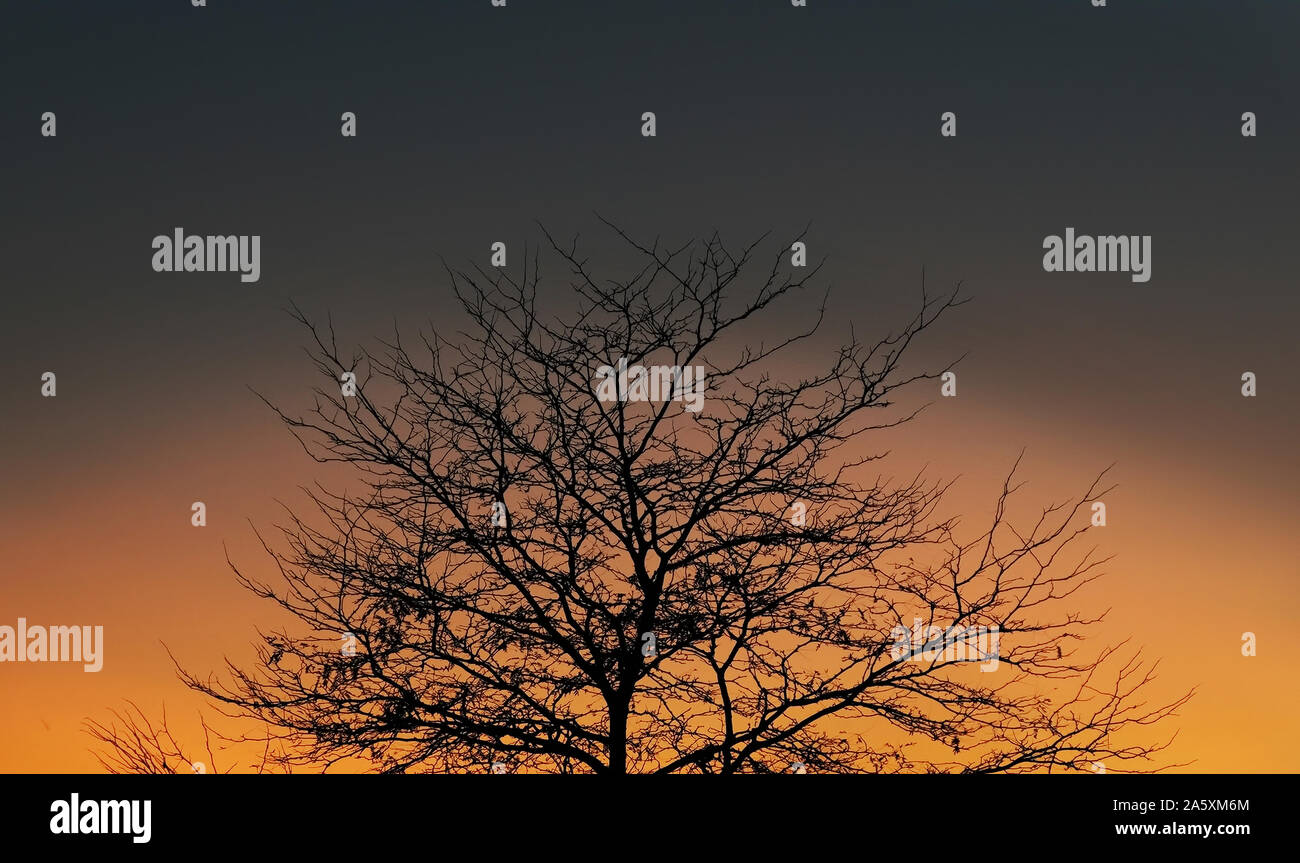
(841, 137)
(1202, 555)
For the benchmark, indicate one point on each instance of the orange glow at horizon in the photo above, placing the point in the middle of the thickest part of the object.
(122, 554)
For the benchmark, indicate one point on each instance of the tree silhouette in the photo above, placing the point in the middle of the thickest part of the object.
(131, 743)
(542, 576)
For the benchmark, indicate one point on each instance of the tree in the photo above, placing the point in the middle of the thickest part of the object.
(131, 743)
(559, 565)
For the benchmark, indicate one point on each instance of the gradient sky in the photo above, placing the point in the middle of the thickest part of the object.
(475, 123)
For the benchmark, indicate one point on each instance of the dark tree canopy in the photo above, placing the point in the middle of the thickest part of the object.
(659, 588)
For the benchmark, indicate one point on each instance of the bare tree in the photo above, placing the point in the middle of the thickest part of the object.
(131, 743)
(561, 572)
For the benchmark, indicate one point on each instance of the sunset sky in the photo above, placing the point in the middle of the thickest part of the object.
(474, 124)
